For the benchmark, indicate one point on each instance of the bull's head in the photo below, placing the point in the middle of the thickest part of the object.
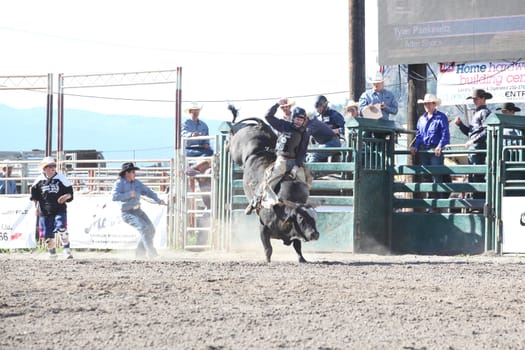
(303, 219)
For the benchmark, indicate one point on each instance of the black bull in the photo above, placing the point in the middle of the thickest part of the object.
(292, 221)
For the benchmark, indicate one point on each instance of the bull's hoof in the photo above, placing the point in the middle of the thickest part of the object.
(302, 260)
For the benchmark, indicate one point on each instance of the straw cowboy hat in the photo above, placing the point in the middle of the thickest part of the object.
(430, 98)
(378, 78)
(509, 106)
(351, 104)
(127, 167)
(193, 106)
(6, 164)
(372, 111)
(481, 94)
(286, 102)
(46, 161)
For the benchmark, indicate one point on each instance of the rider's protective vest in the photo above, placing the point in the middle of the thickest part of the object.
(288, 143)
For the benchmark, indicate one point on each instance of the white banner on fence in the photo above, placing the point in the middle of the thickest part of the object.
(17, 223)
(513, 219)
(93, 222)
(504, 80)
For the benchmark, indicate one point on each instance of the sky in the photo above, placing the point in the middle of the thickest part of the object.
(248, 52)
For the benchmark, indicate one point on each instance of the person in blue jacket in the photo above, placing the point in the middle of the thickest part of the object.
(335, 121)
(432, 135)
(127, 190)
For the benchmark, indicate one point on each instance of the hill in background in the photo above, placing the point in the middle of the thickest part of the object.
(117, 136)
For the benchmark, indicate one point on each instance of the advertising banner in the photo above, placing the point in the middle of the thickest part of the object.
(505, 80)
(17, 223)
(93, 222)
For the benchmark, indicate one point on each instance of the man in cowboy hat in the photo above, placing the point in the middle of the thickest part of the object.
(432, 135)
(285, 104)
(50, 192)
(127, 190)
(510, 108)
(194, 127)
(352, 109)
(7, 186)
(378, 98)
(476, 133)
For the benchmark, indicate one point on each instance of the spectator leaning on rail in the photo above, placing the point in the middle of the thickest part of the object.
(7, 186)
(476, 133)
(194, 127)
(432, 135)
(509, 108)
(323, 136)
(127, 190)
(50, 192)
(335, 121)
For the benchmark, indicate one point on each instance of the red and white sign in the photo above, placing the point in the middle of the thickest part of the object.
(17, 223)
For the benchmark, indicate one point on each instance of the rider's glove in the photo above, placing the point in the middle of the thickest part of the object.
(293, 172)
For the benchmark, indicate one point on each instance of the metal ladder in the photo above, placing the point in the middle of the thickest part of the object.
(198, 204)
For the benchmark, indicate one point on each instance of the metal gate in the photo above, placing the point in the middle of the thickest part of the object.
(506, 160)
(198, 185)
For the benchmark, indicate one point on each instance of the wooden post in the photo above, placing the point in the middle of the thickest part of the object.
(356, 64)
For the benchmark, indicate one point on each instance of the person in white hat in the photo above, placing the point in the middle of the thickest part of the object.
(7, 186)
(194, 127)
(285, 104)
(378, 98)
(432, 135)
(352, 109)
(50, 192)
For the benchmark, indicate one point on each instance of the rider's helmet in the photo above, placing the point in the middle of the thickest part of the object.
(299, 112)
(321, 101)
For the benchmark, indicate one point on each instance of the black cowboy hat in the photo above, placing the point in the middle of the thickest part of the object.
(127, 167)
(509, 106)
(481, 94)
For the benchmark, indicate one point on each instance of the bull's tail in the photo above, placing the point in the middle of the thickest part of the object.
(234, 111)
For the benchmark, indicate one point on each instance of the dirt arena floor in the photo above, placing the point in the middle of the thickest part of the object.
(211, 301)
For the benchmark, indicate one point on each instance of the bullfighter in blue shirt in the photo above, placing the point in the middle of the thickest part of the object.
(127, 190)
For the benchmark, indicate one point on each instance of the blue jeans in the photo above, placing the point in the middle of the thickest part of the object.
(431, 159)
(52, 223)
(198, 152)
(425, 158)
(140, 221)
(475, 159)
(323, 156)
